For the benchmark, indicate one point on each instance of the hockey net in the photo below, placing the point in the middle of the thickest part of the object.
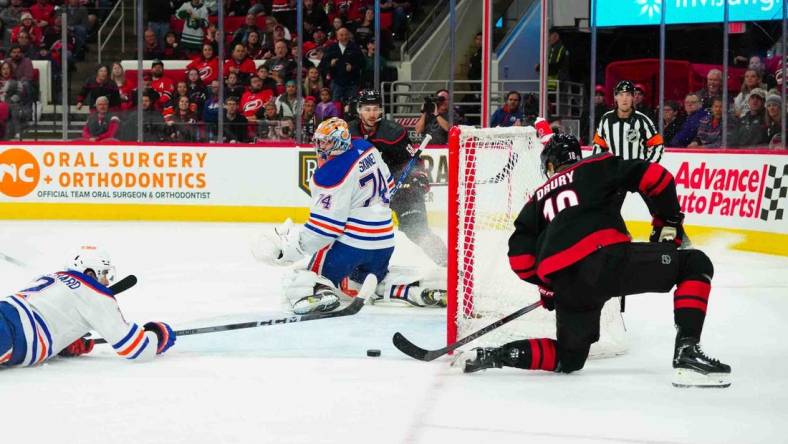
(492, 173)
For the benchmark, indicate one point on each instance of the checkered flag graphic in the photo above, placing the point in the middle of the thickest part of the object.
(775, 193)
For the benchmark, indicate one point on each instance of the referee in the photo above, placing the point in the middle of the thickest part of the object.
(626, 132)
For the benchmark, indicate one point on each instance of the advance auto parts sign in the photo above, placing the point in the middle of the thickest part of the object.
(74, 173)
(732, 190)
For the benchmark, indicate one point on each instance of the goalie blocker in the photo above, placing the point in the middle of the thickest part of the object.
(570, 240)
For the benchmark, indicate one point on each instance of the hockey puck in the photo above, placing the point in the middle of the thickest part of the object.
(374, 353)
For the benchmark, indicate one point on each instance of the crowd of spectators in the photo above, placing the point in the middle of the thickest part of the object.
(32, 30)
(260, 70)
(754, 118)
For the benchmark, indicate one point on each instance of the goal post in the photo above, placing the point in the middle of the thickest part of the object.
(492, 174)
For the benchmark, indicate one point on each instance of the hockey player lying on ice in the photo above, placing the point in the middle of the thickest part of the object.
(51, 317)
(349, 234)
(571, 241)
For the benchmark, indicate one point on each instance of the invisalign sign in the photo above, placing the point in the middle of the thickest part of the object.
(649, 12)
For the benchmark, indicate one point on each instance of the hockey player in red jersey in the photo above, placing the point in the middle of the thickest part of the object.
(571, 241)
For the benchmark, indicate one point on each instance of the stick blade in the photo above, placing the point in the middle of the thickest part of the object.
(123, 284)
(414, 351)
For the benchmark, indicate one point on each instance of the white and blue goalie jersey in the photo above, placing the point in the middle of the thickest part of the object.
(350, 202)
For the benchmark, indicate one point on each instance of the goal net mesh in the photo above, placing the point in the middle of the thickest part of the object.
(497, 170)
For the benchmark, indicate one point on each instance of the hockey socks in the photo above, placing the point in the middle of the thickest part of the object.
(689, 306)
(530, 354)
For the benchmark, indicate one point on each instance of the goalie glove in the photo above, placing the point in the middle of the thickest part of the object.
(282, 247)
(670, 229)
(548, 298)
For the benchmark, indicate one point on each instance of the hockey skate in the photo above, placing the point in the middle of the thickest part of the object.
(695, 369)
(486, 357)
(434, 298)
(323, 300)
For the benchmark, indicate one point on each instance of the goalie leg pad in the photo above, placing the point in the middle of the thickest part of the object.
(301, 285)
(411, 285)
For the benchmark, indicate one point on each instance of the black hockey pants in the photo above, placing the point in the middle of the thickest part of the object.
(624, 269)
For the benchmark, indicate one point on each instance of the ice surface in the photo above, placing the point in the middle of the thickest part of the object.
(312, 383)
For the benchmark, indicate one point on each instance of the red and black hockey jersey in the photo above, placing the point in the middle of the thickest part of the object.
(576, 212)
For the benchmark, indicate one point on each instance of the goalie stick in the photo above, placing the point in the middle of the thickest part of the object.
(414, 351)
(411, 163)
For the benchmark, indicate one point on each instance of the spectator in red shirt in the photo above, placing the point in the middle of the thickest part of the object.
(240, 64)
(42, 12)
(163, 85)
(207, 64)
(101, 125)
(126, 89)
(27, 24)
(255, 98)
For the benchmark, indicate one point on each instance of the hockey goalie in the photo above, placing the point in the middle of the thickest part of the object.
(349, 234)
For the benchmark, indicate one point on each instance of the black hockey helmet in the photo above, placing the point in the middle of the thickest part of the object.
(562, 149)
(369, 97)
(624, 86)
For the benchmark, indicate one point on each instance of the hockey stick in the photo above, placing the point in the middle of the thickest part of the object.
(411, 163)
(416, 352)
(123, 284)
(13, 260)
(358, 303)
(351, 309)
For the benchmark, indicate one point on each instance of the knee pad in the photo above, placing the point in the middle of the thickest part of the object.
(572, 360)
(698, 265)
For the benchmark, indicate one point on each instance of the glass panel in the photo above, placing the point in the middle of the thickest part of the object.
(692, 111)
(756, 116)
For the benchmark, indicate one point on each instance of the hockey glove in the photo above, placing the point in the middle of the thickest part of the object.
(81, 346)
(418, 180)
(164, 334)
(548, 298)
(670, 229)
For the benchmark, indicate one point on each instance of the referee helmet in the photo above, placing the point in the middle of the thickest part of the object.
(625, 86)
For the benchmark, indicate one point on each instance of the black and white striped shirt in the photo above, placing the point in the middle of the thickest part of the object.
(635, 137)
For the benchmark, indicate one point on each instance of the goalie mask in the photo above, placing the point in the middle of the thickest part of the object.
(94, 259)
(561, 150)
(332, 138)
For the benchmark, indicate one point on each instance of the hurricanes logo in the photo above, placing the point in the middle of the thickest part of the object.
(650, 7)
(205, 72)
(19, 172)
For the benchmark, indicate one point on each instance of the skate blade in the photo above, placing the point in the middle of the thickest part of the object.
(459, 359)
(685, 378)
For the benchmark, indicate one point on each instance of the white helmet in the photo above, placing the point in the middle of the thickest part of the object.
(89, 257)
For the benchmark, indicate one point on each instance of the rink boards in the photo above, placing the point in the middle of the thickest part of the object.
(735, 191)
